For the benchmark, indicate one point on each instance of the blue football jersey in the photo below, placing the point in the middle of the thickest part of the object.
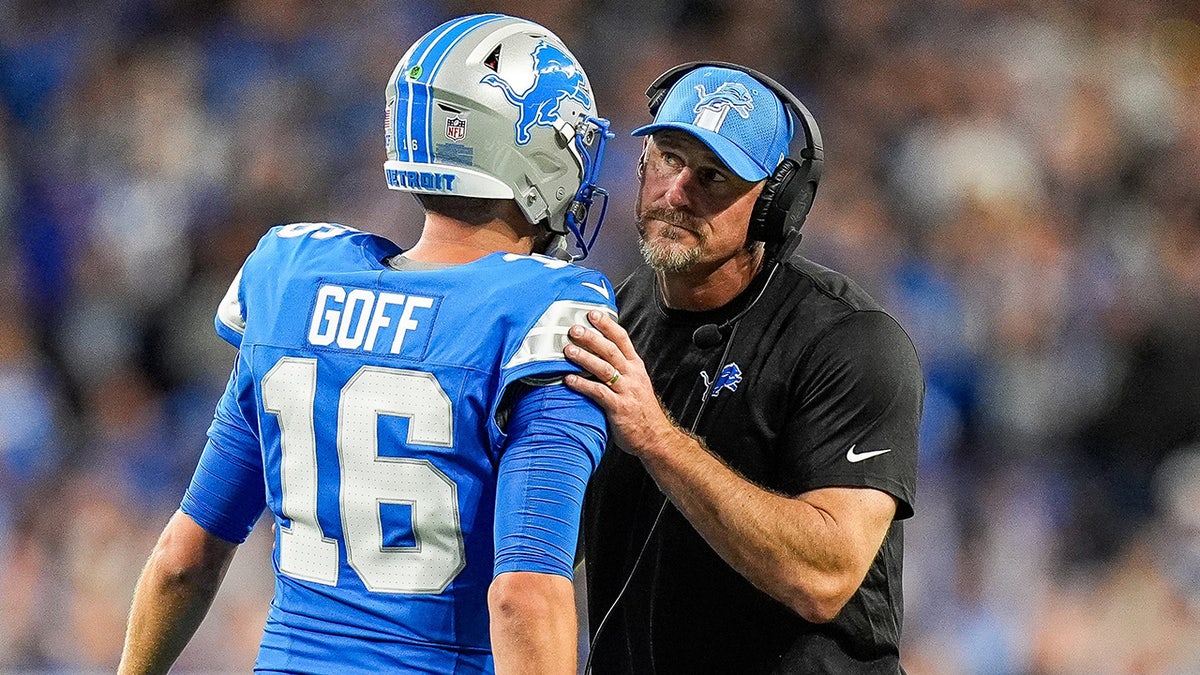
(367, 398)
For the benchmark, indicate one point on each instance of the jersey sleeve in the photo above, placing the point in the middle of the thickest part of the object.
(856, 411)
(281, 246)
(231, 314)
(539, 353)
(555, 440)
(228, 490)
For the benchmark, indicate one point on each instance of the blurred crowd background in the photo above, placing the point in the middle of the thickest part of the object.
(1016, 179)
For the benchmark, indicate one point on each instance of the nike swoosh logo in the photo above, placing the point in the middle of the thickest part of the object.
(853, 456)
(596, 287)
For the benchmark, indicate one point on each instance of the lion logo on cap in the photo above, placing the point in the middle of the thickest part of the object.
(712, 109)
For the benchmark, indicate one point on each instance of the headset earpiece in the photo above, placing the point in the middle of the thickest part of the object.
(781, 207)
(767, 216)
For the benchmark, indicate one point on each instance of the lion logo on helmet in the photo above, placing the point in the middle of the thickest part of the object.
(556, 78)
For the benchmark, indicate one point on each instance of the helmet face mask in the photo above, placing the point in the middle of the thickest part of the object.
(496, 107)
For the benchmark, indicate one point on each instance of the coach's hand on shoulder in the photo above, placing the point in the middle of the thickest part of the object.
(621, 386)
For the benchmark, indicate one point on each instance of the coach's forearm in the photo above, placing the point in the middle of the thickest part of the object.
(533, 624)
(809, 552)
(173, 595)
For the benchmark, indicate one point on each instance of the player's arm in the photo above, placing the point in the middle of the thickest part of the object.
(555, 440)
(809, 552)
(226, 496)
(173, 595)
(533, 626)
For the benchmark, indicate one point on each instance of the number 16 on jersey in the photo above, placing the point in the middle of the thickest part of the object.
(367, 479)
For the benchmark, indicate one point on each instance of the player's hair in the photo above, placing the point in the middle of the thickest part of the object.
(472, 210)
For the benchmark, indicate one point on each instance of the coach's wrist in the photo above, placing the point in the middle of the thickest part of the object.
(664, 443)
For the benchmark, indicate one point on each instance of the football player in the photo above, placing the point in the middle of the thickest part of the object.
(401, 413)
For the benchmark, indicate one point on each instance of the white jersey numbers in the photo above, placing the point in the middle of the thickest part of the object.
(304, 552)
(368, 480)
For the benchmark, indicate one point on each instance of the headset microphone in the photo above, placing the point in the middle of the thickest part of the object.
(708, 336)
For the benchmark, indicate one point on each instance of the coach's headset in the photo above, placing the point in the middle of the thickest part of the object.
(787, 195)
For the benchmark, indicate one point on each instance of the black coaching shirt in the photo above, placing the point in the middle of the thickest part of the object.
(820, 387)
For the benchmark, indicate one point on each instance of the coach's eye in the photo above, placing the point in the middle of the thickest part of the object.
(672, 159)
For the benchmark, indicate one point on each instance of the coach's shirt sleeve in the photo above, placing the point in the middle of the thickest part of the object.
(555, 439)
(228, 491)
(857, 399)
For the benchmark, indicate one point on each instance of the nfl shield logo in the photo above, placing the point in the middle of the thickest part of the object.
(456, 128)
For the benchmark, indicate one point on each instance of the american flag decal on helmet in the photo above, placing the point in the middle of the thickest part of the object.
(387, 125)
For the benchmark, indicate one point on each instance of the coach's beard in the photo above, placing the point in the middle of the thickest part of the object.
(660, 254)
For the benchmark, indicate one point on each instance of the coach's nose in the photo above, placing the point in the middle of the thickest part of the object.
(680, 192)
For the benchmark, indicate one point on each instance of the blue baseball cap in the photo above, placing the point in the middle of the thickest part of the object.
(735, 115)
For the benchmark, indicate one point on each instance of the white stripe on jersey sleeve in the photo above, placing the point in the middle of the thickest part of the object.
(545, 341)
(230, 310)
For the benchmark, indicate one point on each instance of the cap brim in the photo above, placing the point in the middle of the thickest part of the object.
(726, 150)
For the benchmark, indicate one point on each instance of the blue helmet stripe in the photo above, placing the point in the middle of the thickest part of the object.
(416, 54)
(419, 89)
(430, 55)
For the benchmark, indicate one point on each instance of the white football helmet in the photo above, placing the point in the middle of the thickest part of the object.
(496, 107)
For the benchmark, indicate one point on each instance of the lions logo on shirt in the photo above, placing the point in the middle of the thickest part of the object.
(730, 378)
